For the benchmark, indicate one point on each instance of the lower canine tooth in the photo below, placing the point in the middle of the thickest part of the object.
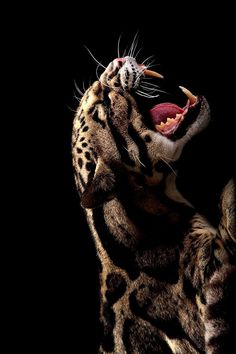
(191, 97)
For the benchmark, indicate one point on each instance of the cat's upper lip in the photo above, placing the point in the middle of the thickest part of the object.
(166, 117)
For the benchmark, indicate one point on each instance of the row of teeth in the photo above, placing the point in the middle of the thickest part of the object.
(170, 121)
(173, 121)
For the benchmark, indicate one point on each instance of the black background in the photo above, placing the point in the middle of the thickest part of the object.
(57, 296)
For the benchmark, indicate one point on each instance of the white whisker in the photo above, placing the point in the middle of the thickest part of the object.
(118, 45)
(135, 156)
(133, 45)
(77, 98)
(149, 83)
(78, 89)
(150, 89)
(94, 57)
(145, 94)
(149, 93)
(154, 87)
(136, 55)
(171, 168)
(141, 93)
(84, 86)
(150, 65)
(167, 158)
(97, 72)
(71, 109)
(124, 53)
(150, 57)
(141, 163)
(138, 77)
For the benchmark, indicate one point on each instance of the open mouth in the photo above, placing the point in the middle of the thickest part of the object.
(168, 117)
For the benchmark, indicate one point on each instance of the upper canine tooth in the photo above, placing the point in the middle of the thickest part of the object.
(191, 97)
(152, 73)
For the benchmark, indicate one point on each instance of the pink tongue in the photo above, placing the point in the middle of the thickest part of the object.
(160, 112)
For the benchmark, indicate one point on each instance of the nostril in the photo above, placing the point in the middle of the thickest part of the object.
(121, 60)
(118, 62)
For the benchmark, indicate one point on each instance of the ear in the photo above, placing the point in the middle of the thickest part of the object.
(100, 189)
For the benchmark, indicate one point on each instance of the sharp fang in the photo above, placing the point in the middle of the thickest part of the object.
(152, 73)
(191, 97)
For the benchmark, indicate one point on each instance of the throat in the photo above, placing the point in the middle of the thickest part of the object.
(158, 213)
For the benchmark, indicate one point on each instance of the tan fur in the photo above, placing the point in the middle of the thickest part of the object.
(154, 279)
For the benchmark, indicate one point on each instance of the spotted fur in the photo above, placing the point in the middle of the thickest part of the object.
(167, 276)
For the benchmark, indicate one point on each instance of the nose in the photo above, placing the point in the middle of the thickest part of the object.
(118, 62)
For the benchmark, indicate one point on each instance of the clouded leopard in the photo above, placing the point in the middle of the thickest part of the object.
(167, 277)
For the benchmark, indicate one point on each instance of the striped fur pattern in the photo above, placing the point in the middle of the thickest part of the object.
(167, 277)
